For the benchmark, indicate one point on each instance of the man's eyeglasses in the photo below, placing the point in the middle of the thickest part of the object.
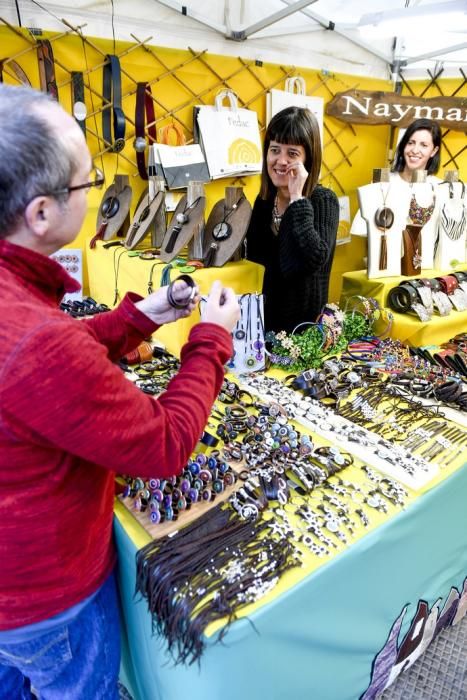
(98, 181)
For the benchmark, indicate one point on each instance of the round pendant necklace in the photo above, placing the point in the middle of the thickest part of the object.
(181, 218)
(223, 229)
(384, 219)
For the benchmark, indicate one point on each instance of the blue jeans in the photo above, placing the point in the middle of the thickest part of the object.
(77, 661)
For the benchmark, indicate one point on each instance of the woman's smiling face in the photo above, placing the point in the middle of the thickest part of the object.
(280, 157)
(419, 150)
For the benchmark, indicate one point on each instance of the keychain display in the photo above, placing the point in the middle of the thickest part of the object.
(248, 335)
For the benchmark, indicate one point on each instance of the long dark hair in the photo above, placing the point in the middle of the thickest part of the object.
(297, 126)
(432, 165)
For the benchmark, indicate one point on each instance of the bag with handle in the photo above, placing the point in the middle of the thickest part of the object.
(294, 95)
(229, 136)
(180, 163)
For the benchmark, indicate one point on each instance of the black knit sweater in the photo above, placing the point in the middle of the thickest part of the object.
(298, 260)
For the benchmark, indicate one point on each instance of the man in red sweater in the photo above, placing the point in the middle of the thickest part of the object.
(69, 419)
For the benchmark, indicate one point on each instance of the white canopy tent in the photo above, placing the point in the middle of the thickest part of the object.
(364, 37)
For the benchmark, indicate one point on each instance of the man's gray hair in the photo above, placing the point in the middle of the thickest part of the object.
(32, 159)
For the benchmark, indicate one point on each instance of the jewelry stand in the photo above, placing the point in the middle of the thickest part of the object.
(411, 259)
(226, 227)
(143, 217)
(186, 220)
(422, 197)
(113, 215)
(452, 222)
(383, 207)
(159, 228)
(195, 246)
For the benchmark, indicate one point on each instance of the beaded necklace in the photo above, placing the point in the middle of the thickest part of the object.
(419, 216)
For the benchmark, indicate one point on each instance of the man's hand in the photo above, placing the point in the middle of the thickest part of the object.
(156, 306)
(221, 307)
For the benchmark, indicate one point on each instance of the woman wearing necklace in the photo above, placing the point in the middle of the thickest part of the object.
(419, 149)
(294, 222)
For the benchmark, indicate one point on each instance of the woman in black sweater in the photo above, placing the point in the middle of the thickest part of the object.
(294, 223)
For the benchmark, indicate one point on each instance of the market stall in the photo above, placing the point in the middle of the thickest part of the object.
(315, 542)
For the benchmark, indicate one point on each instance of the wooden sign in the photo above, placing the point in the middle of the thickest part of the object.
(367, 107)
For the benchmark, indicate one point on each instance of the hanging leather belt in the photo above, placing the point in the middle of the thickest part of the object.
(45, 57)
(112, 112)
(77, 95)
(16, 70)
(144, 112)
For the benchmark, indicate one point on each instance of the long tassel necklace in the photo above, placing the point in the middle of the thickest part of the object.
(384, 219)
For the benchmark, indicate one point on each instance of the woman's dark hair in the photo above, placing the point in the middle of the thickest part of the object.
(428, 125)
(296, 126)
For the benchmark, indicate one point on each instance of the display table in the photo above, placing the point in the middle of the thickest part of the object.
(319, 638)
(113, 270)
(406, 327)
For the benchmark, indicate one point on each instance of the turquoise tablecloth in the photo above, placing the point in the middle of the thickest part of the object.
(317, 641)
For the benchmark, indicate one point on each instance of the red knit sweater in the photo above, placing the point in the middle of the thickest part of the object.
(69, 419)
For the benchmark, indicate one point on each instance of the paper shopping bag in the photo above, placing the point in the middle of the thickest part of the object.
(294, 95)
(229, 137)
(179, 163)
(182, 164)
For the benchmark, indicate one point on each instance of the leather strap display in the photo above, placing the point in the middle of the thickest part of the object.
(45, 57)
(112, 114)
(401, 298)
(144, 113)
(77, 95)
(460, 276)
(15, 69)
(448, 283)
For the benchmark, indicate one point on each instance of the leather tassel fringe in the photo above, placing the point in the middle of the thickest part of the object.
(383, 253)
(206, 572)
(99, 234)
(211, 255)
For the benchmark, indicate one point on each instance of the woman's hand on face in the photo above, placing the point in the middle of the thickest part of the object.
(297, 176)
